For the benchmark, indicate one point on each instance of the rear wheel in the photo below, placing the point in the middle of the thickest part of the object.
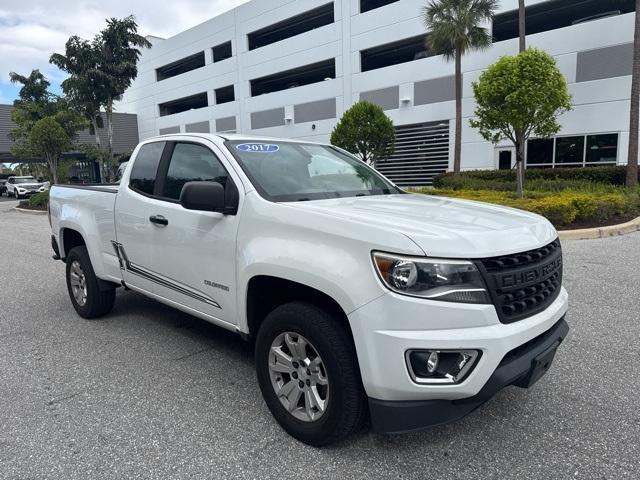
(308, 374)
(87, 297)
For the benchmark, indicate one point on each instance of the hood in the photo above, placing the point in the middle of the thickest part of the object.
(29, 185)
(444, 227)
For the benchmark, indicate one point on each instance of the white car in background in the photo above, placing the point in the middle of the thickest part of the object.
(21, 187)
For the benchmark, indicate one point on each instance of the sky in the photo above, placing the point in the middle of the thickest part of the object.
(31, 30)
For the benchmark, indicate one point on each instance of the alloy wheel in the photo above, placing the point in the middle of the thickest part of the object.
(298, 376)
(78, 282)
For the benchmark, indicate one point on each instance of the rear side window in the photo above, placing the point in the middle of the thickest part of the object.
(191, 162)
(145, 168)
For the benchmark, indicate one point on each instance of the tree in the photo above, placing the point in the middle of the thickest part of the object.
(522, 26)
(520, 96)
(634, 121)
(118, 46)
(34, 113)
(99, 73)
(48, 139)
(366, 131)
(453, 29)
(83, 88)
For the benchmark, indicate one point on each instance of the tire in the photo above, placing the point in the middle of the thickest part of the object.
(82, 282)
(344, 400)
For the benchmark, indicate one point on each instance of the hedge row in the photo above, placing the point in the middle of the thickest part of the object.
(547, 178)
(561, 208)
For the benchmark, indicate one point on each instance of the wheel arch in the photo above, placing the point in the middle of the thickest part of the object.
(264, 293)
(69, 239)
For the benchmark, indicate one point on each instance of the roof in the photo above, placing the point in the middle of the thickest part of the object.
(232, 137)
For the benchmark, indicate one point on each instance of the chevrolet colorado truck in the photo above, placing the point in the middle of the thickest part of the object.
(364, 302)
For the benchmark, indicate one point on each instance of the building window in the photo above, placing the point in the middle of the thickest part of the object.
(602, 148)
(181, 66)
(577, 150)
(569, 150)
(296, 77)
(305, 22)
(554, 14)
(222, 52)
(406, 50)
(540, 151)
(224, 95)
(192, 102)
(366, 5)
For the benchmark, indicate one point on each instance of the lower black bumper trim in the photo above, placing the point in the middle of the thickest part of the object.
(407, 416)
(56, 250)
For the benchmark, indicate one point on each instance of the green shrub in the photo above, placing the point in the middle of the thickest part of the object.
(40, 199)
(598, 205)
(550, 178)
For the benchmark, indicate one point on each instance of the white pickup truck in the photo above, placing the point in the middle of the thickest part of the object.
(364, 301)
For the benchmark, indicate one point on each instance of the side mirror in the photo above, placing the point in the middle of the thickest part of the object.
(205, 196)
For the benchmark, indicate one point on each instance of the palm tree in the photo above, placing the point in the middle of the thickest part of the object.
(632, 157)
(453, 29)
(522, 26)
(119, 49)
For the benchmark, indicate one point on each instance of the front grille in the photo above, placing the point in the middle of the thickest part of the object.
(523, 284)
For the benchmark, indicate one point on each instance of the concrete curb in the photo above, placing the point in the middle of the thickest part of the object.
(32, 212)
(601, 232)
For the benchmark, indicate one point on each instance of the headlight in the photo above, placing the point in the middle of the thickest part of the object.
(433, 278)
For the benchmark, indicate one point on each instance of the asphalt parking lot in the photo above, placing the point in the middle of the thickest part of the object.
(149, 392)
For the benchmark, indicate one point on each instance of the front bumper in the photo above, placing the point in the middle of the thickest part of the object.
(514, 369)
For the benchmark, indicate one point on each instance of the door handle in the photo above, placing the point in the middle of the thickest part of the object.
(159, 220)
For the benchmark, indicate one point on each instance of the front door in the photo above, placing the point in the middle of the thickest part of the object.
(505, 159)
(194, 252)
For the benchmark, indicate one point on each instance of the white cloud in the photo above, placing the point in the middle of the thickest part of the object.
(31, 30)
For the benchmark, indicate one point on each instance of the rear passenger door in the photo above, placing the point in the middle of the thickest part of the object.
(134, 232)
(194, 252)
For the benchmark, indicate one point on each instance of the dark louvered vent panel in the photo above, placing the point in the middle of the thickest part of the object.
(422, 152)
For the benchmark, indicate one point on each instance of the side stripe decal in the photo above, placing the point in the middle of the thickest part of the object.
(134, 269)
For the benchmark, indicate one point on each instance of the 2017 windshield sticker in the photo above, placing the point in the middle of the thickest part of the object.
(258, 147)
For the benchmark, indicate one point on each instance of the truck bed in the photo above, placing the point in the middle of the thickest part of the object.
(88, 209)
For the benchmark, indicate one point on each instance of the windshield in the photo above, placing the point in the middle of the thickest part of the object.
(24, 180)
(289, 172)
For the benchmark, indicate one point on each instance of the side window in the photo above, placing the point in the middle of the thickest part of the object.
(145, 167)
(191, 162)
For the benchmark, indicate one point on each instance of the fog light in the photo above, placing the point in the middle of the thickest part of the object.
(432, 362)
(441, 366)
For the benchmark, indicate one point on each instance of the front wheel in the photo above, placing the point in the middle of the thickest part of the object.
(308, 374)
(88, 299)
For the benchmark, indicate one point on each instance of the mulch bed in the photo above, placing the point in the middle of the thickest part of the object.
(27, 206)
(593, 224)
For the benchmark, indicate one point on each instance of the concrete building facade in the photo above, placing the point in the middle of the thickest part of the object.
(290, 68)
